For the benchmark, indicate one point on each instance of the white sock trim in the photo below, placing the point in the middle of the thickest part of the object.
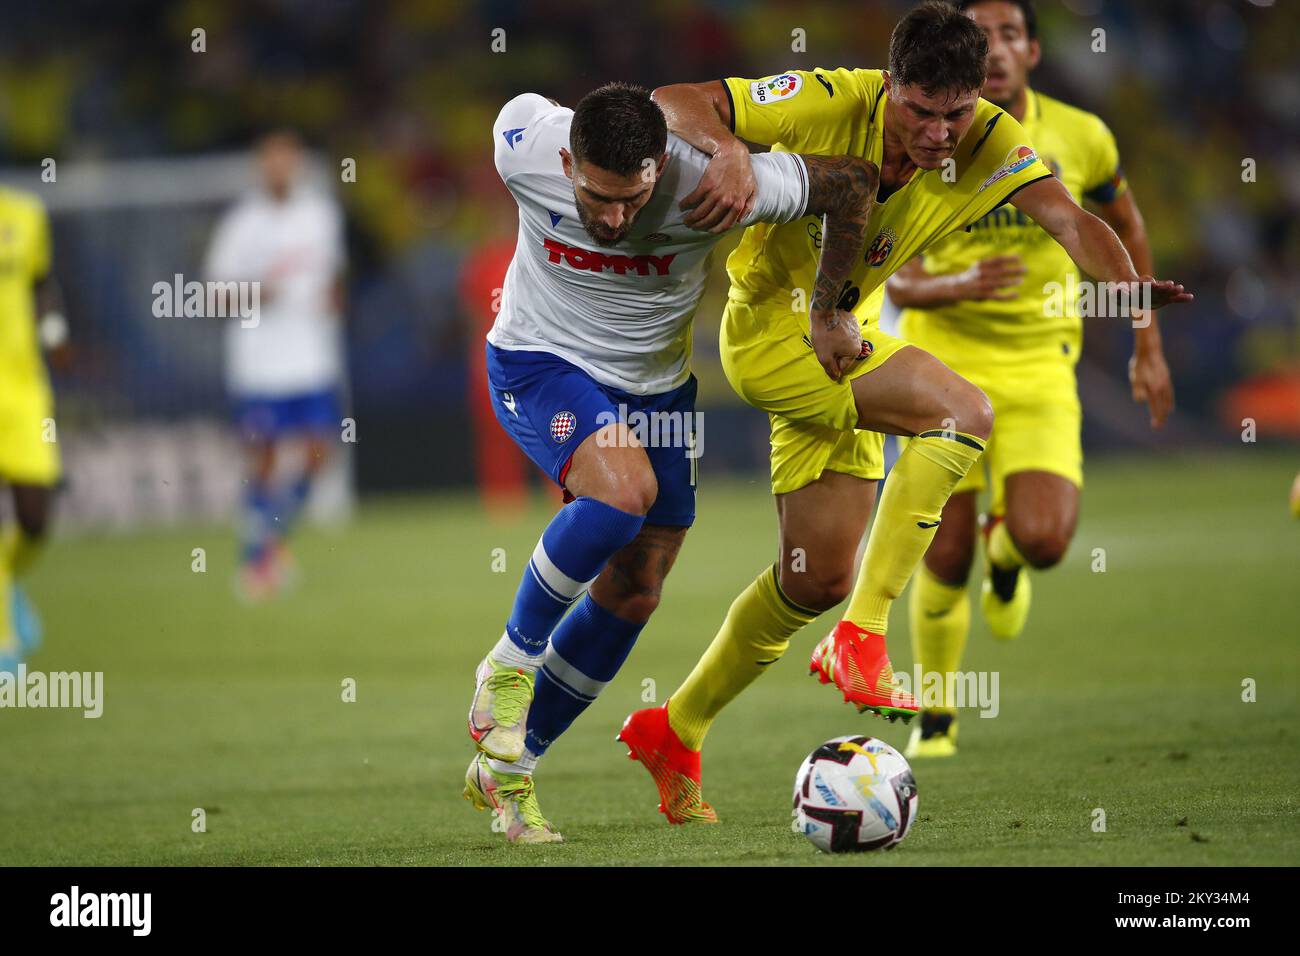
(570, 676)
(555, 580)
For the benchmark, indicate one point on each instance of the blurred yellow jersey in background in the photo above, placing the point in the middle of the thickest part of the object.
(1022, 352)
(28, 453)
(1080, 151)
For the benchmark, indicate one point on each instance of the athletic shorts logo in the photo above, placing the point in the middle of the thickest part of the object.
(881, 247)
(1019, 158)
(775, 90)
(563, 425)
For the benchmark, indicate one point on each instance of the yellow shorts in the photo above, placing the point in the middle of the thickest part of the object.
(1037, 418)
(769, 361)
(29, 454)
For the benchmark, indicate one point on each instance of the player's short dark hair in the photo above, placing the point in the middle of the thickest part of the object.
(279, 136)
(617, 127)
(1026, 8)
(937, 47)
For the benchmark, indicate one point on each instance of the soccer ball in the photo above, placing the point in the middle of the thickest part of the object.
(854, 793)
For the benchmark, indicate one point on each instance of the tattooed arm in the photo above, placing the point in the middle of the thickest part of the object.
(842, 190)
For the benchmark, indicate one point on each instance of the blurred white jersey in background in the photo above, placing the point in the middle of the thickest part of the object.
(294, 249)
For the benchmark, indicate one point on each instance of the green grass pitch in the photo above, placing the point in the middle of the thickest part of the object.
(1125, 694)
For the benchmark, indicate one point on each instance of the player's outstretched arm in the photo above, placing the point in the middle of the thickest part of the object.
(842, 190)
(700, 113)
(1091, 243)
(1148, 372)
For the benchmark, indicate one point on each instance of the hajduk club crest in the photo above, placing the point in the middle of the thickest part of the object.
(563, 425)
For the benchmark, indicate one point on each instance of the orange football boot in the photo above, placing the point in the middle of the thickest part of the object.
(674, 766)
(858, 664)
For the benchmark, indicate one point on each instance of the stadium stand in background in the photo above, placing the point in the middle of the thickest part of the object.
(148, 139)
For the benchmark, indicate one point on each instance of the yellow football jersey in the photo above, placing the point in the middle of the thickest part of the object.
(24, 258)
(835, 112)
(1080, 151)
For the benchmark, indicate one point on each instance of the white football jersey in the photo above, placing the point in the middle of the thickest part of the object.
(295, 250)
(621, 313)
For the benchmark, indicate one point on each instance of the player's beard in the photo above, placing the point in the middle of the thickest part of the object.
(597, 231)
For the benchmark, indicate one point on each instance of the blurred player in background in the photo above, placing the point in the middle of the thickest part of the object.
(945, 159)
(29, 455)
(980, 301)
(284, 371)
(595, 328)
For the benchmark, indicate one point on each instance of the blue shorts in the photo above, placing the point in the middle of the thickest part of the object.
(266, 419)
(549, 407)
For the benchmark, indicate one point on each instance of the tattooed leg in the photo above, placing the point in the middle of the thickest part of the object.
(630, 585)
(594, 639)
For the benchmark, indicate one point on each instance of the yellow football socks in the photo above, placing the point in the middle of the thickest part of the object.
(1002, 550)
(907, 518)
(8, 640)
(17, 550)
(940, 617)
(755, 634)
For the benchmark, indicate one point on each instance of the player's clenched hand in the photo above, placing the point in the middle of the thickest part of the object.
(1164, 292)
(725, 193)
(995, 278)
(1149, 376)
(836, 340)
